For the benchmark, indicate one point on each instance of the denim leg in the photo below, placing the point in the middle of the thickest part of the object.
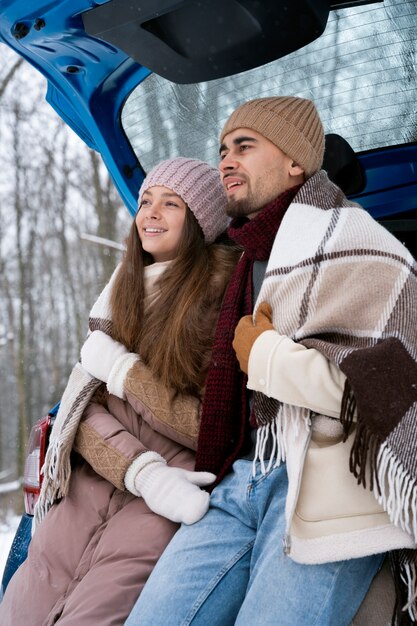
(202, 576)
(291, 593)
(309, 595)
(230, 567)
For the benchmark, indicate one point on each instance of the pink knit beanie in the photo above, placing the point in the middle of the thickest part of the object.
(292, 124)
(199, 185)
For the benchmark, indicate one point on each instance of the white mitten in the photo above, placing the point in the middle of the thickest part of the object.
(108, 360)
(173, 492)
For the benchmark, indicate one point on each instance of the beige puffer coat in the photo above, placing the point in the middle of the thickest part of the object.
(94, 551)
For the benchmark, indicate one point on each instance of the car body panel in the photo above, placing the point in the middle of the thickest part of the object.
(88, 79)
(391, 181)
(88, 82)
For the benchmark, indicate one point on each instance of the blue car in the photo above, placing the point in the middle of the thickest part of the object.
(144, 80)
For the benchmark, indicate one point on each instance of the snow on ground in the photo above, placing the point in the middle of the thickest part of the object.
(10, 499)
(10, 487)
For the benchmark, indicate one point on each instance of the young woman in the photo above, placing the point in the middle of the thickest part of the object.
(107, 512)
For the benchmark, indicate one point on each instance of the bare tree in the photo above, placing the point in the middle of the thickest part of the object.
(52, 189)
(106, 209)
(10, 72)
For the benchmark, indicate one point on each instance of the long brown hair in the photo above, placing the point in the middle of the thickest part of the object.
(174, 337)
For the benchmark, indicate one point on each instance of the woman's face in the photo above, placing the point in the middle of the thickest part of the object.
(160, 222)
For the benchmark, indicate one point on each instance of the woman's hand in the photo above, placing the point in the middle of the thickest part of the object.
(108, 360)
(99, 354)
(173, 492)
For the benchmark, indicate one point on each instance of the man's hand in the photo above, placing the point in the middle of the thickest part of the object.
(248, 331)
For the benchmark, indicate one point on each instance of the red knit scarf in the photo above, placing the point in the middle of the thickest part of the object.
(224, 420)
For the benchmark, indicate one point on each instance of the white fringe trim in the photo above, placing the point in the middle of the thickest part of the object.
(56, 469)
(57, 472)
(410, 580)
(284, 427)
(399, 499)
(398, 491)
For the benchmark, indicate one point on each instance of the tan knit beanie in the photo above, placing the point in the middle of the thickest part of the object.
(292, 124)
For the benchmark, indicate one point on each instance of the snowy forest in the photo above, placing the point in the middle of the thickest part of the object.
(53, 192)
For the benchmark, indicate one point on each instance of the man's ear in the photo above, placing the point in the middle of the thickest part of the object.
(295, 169)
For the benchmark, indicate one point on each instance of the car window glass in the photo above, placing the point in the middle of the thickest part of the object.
(360, 73)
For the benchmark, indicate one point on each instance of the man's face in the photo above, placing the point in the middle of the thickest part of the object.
(254, 172)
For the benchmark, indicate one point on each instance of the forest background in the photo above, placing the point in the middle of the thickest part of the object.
(53, 192)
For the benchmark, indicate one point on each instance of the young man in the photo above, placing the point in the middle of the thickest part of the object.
(329, 354)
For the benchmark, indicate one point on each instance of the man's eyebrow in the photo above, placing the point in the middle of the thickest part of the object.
(237, 141)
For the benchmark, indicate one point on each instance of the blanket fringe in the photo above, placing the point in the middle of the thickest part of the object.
(397, 492)
(409, 577)
(55, 483)
(288, 419)
(398, 496)
(363, 460)
(348, 408)
(363, 457)
(404, 571)
(57, 466)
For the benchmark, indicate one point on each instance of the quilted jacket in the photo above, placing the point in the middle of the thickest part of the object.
(95, 549)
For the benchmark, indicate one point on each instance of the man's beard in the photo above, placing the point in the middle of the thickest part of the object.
(257, 198)
(239, 208)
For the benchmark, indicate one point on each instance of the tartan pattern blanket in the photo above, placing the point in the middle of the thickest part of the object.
(77, 394)
(339, 282)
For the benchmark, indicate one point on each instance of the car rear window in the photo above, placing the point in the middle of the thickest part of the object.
(361, 73)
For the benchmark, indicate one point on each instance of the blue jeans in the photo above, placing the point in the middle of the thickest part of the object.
(230, 568)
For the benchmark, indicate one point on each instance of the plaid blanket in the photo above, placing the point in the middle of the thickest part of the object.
(78, 392)
(339, 282)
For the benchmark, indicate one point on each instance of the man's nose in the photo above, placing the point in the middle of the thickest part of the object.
(228, 162)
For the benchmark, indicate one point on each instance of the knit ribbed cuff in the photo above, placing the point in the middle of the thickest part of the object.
(142, 461)
(118, 373)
